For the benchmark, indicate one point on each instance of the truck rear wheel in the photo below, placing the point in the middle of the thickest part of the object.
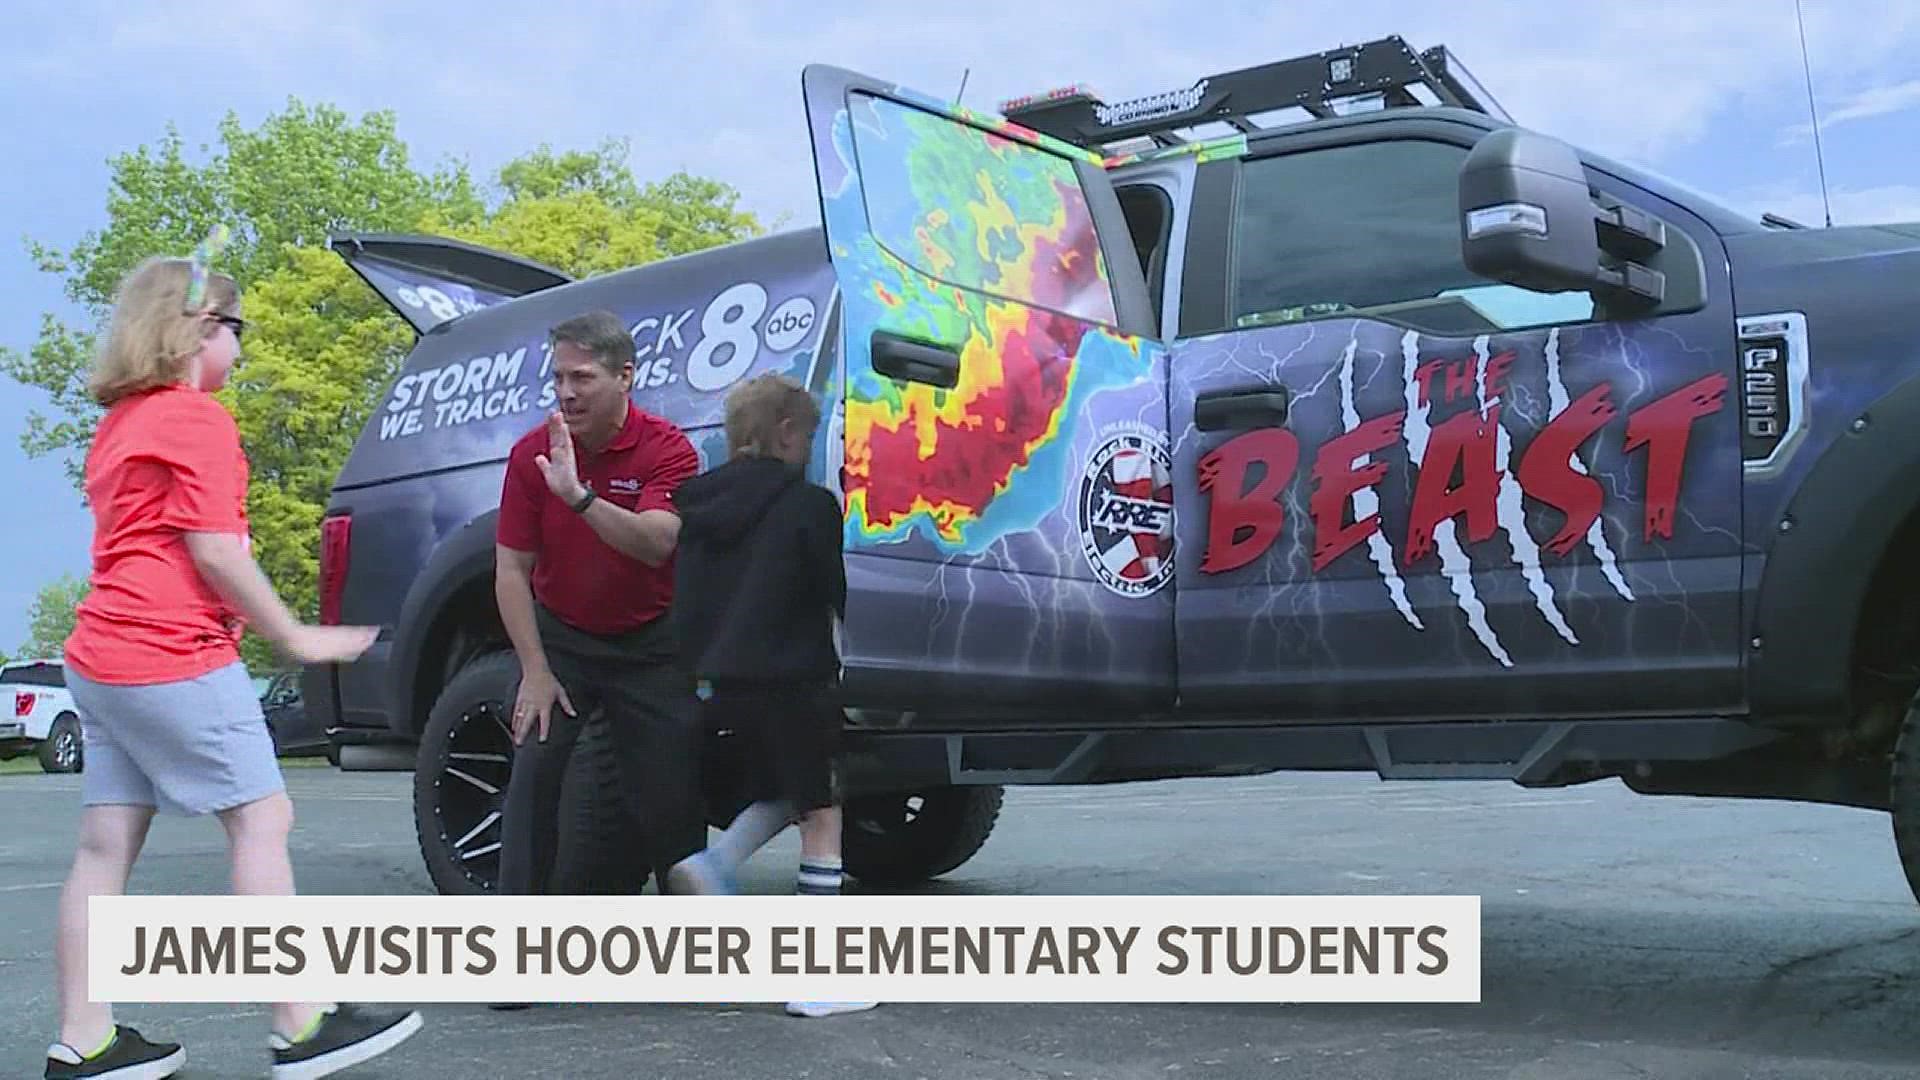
(908, 838)
(460, 787)
(61, 750)
(1904, 796)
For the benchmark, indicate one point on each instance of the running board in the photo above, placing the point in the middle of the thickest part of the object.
(377, 757)
(1525, 752)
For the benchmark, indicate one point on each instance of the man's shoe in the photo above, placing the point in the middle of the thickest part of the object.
(127, 1056)
(348, 1035)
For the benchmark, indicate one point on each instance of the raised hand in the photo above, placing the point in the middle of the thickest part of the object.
(558, 465)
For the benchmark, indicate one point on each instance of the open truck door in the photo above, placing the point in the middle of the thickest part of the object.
(1007, 472)
(430, 280)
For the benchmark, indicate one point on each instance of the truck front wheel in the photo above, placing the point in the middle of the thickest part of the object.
(908, 838)
(460, 786)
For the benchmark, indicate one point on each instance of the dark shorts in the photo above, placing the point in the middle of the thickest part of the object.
(789, 735)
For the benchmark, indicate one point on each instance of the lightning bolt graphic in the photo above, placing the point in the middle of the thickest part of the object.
(1453, 561)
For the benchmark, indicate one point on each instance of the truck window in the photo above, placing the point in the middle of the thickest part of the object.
(1370, 229)
(35, 675)
(1149, 214)
(980, 211)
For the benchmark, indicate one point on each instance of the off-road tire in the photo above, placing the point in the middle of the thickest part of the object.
(889, 842)
(1904, 795)
(63, 751)
(599, 844)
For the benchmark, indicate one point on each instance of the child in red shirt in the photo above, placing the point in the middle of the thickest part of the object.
(169, 717)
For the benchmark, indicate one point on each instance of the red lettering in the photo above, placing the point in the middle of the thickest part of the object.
(1243, 522)
(1466, 444)
(1335, 480)
(1459, 380)
(1546, 469)
(1424, 375)
(1460, 377)
(1663, 428)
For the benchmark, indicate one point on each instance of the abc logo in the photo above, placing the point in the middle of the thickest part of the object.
(789, 323)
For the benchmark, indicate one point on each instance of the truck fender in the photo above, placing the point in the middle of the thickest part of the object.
(464, 556)
(1824, 551)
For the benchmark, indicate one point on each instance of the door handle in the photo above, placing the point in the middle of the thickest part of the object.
(915, 361)
(1224, 410)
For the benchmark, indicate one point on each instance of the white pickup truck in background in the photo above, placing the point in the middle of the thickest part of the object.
(37, 715)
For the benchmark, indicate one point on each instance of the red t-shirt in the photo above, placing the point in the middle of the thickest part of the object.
(163, 464)
(579, 577)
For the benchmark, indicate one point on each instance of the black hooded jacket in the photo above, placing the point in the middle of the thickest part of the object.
(758, 574)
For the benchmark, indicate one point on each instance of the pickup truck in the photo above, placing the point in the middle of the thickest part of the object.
(40, 717)
(1316, 416)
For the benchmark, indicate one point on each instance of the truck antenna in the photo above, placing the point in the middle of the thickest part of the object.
(962, 92)
(1819, 155)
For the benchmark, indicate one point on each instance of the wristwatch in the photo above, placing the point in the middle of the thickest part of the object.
(585, 501)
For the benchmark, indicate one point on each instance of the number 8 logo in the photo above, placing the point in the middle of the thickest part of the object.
(438, 302)
(730, 320)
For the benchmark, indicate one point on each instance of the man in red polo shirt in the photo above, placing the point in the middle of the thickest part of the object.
(584, 576)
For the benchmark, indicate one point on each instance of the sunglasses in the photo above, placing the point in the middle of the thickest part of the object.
(237, 325)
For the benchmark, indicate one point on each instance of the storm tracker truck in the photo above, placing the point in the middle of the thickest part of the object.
(1372, 433)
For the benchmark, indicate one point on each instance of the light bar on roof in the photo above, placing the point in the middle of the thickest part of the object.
(1059, 93)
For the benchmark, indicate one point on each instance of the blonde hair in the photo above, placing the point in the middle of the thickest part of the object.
(152, 339)
(756, 408)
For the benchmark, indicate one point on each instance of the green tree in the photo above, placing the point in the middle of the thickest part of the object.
(50, 619)
(279, 188)
(584, 213)
(321, 346)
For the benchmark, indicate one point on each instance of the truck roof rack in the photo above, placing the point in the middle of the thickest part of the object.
(1388, 69)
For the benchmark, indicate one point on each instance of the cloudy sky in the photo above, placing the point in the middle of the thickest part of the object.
(1707, 92)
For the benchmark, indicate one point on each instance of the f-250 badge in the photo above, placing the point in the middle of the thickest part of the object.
(1126, 512)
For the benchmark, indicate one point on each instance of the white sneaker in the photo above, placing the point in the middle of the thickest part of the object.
(827, 1008)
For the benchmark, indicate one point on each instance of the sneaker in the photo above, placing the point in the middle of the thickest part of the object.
(827, 1008)
(697, 875)
(127, 1056)
(347, 1035)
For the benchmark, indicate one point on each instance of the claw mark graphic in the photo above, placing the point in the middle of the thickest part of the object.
(1453, 561)
(1366, 502)
(1596, 533)
(1512, 509)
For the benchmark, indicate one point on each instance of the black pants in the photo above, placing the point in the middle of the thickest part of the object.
(651, 718)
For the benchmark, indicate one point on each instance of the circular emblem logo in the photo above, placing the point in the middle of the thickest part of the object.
(1126, 513)
(788, 325)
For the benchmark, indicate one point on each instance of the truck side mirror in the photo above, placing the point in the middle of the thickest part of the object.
(1528, 218)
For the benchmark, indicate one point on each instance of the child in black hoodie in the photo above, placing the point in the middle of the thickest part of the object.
(758, 585)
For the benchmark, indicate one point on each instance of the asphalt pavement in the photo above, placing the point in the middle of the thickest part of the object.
(1624, 936)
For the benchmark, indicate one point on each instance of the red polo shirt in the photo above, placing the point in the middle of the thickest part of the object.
(576, 575)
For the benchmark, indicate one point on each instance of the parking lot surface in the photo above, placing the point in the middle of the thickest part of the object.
(1624, 936)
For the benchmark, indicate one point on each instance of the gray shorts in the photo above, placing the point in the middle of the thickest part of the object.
(198, 746)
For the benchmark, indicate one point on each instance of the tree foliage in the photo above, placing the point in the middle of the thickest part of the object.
(50, 620)
(321, 347)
